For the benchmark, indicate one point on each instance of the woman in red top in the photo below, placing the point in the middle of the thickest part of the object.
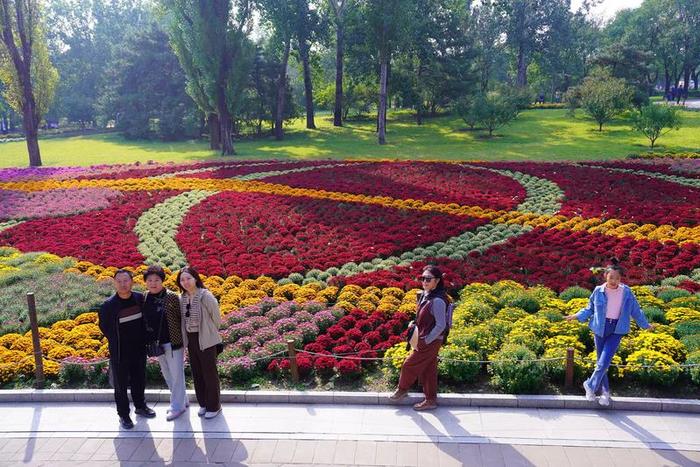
(422, 364)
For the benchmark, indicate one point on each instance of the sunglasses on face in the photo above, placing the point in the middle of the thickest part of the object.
(425, 278)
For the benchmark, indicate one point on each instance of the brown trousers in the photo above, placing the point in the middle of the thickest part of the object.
(204, 373)
(422, 365)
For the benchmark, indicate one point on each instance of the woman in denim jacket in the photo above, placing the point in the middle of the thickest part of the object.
(608, 313)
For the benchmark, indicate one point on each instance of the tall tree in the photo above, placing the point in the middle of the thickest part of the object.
(147, 89)
(280, 17)
(487, 27)
(83, 36)
(25, 69)
(210, 39)
(306, 25)
(389, 24)
(339, 8)
(527, 26)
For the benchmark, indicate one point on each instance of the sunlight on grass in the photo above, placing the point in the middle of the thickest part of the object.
(535, 135)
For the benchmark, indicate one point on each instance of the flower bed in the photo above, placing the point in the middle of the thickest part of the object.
(438, 182)
(18, 205)
(250, 234)
(597, 192)
(104, 236)
(325, 253)
(555, 258)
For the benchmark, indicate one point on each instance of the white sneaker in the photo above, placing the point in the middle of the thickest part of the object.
(173, 415)
(202, 411)
(604, 399)
(590, 395)
(210, 415)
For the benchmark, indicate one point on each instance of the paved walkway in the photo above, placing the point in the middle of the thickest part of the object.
(58, 434)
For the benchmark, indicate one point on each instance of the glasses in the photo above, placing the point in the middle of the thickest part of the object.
(425, 278)
(187, 313)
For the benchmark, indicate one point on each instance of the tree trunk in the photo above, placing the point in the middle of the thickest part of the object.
(22, 62)
(226, 126)
(30, 119)
(308, 86)
(281, 91)
(31, 133)
(381, 114)
(339, 53)
(521, 81)
(214, 132)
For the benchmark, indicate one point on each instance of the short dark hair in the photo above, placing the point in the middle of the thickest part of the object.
(154, 269)
(614, 265)
(192, 272)
(123, 271)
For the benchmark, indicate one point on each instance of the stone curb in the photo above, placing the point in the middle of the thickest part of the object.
(366, 398)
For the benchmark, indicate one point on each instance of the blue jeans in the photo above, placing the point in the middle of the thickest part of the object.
(605, 348)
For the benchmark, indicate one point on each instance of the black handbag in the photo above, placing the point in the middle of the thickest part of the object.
(155, 348)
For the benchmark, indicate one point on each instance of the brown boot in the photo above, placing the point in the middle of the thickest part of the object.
(425, 405)
(398, 395)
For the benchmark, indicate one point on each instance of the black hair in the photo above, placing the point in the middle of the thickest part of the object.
(436, 272)
(614, 265)
(123, 271)
(154, 269)
(192, 272)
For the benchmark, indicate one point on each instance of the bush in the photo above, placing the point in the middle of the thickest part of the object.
(691, 343)
(603, 97)
(520, 299)
(515, 371)
(72, 375)
(655, 120)
(662, 343)
(654, 314)
(672, 293)
(652, 367)
(574, 292)
(694, 358)
(676, 314)
(458, 371)
(687, 328)
(493, 111)
(239, 369)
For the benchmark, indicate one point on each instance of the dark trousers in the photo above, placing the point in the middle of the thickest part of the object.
(204, 373)
(130, 372)
(422, 365)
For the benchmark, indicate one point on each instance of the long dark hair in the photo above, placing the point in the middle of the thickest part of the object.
(192, 272)
(439, 290)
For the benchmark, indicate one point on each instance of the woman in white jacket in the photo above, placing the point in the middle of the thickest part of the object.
(201, 319)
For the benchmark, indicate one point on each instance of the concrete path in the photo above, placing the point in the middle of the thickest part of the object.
(57, 434)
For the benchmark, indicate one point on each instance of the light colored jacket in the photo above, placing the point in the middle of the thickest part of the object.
(209, 318)
(594, 313)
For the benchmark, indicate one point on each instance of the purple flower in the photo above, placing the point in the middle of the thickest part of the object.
(259, 322)
(61, 202)
(266, 334)
(285, 325)
(303, 317)
(309, 331)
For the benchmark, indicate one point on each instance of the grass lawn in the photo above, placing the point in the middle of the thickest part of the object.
(536, 135)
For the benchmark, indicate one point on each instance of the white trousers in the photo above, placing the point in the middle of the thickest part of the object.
(172, 365)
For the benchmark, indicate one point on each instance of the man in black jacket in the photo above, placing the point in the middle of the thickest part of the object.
(122, 324)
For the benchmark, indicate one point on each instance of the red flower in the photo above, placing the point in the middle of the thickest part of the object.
(348, 367)
(324, 366)
(336, 331)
